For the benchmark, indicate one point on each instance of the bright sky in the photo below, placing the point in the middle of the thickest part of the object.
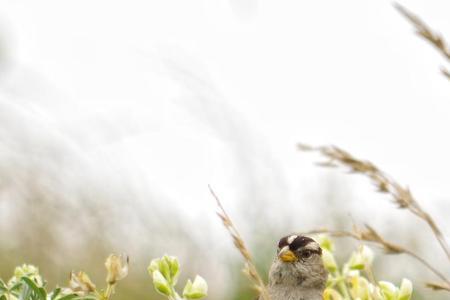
(175, 95)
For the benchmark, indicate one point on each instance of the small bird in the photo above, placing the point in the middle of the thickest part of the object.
(297, 273)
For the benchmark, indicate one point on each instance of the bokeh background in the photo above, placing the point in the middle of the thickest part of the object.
(116, 115)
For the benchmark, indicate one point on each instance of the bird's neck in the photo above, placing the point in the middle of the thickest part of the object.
(287, 280)
(286, 292)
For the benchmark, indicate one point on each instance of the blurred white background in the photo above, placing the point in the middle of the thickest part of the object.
(139, 105)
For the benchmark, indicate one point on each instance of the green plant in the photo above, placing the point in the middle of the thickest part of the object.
(117, 269)
(165, 272)
(355, 279)
(28, 284)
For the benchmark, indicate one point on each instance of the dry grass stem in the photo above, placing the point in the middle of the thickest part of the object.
(438, 286)
(445, 72)
(249, 267)
(424, 31)
(400, 195)
(369, 234)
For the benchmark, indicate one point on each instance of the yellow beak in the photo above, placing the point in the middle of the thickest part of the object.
(287, 255)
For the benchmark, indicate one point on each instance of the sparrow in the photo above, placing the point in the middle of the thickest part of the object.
(297, 272)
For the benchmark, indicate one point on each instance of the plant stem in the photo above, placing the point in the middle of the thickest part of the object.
(342, 286)
(109, 291)
(174, 295)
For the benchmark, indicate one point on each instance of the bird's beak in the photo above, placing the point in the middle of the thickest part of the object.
(287, 255)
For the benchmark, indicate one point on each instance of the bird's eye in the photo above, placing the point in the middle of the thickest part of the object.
(306, 254)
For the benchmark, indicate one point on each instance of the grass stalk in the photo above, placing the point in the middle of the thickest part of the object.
(249, 269)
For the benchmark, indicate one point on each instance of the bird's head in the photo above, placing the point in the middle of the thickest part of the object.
(298, 262)
(294, 248)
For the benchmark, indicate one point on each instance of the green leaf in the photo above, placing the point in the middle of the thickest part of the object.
(187, 288)
(39, 292)
(42, 294)
(55, 293)
(69, 297)
(3, 286)
(154, 265)
(88, 297)
(388, 290)
(197, 289)
(160, 284)
(406, 289)
(165, 269)
(26, 293)
(357, 267)
(174, 269)
(16, 287)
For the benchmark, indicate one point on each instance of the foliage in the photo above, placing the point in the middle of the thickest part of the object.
(355, 279)
(28, 284)
(165, 272)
